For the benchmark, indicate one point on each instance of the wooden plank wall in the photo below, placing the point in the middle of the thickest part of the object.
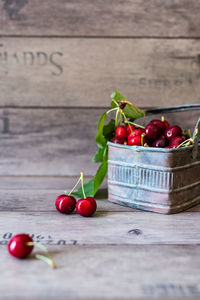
(60, 61)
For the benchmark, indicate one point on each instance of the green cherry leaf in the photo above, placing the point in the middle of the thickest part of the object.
(89, 190)
(109, 130)
(100, 139)
(100, 175)
(130, 111)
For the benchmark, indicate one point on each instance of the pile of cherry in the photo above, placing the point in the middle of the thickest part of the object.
(158, 133)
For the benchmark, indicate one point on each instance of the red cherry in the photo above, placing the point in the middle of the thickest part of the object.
(118, 140)
(167, 125)
(160, 143)
(128, 130)
(121, 132)
(93, 201)
(136, 141)
(152, 131)
(159, 124)
(136, 132)
(18, 247)
(176, 141)
(65, 204)
(173, 132)
(86, 207)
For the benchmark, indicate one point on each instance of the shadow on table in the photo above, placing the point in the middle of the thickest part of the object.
(102, 194)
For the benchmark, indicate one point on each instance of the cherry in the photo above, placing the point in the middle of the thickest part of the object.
(86, 207)
(176, 141)
(172, 132)
(159, 124)
(167, 125)
(152, 131)
(160, 142)
(136, 140)
(128, 129)
(93, 201)
(65, 204)
(136, 132)
(118, 140)
(18, 247)
(121, 132)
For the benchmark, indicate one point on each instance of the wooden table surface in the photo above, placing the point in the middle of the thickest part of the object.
(119, 253)
(59, 62)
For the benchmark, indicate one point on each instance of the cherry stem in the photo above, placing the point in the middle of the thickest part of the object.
(142, 139)
(137, 125)
(74, 187)
(116, 117)
(123, 114)
(48, 259)
(185, 142)
(111, 110)
(82, 185)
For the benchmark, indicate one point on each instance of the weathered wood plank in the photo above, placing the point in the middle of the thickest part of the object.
(59, 183)
(84, 72)
(43, 201)
(105, 228)
(39, 194)
(55, 142)
(101, 18)
(48, 141)
(167, 272)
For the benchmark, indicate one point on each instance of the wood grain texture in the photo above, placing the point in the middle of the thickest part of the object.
(106, 272)
(48, 141)
(105, 227)
(100, 18)
(84, 72)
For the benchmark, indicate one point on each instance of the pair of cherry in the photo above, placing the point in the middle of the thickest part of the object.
(85, 207)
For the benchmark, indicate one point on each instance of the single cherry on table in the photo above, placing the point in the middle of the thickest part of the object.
(21, 245)
(18, 247)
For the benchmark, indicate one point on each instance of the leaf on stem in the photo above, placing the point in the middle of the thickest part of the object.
(92, 186)
(130, 111)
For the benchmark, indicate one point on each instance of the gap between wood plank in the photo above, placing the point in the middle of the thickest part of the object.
(102, 37)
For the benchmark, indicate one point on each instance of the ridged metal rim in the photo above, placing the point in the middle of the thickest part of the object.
(151, 149)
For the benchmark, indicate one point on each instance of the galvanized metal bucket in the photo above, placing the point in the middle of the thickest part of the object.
(154, 179)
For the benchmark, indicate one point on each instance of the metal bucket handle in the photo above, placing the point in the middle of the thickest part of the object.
(196, 140)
